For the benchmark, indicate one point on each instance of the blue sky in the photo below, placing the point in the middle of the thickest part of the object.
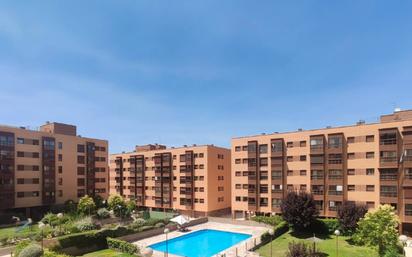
(184, 72)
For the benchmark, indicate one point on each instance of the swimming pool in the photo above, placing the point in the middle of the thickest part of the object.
(202, 243)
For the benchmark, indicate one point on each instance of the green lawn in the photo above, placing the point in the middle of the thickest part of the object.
(12, 231)
(107, 253)
(327, 246)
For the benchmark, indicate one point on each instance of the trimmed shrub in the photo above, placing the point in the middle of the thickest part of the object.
(103, 213)
(330, 225)
(32, 250)
(86, 205)
(271, 220)
(20, 246)
(48, 253)
(300, 249)
(122, 246)
(85, 224)
(278, 230)
(159, 225)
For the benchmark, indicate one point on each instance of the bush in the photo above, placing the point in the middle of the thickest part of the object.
(328, 226)
(48, 253)
(51, 219)
(32, 250)
(103, 213)
(299, 210)
(271, 220)
(85, 224)
(392, 252)
(88, 238)
(159, 225)
(20, 246)
(278, 230)
(349, 214)
(300, 249)
(139, 222)
(122, 246)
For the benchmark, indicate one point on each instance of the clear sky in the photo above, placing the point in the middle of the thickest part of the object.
(188, 71)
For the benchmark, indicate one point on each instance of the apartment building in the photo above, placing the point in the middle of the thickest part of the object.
(194, 180)
(49, 166)
(364, 163)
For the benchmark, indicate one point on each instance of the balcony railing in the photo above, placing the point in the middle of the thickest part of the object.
(388, 177)
(316, 147)
(389, 159)
(333, 208)
(408, 212)
(388, 141)
(317, 192)
(389, 194)
(277, 190)
(317, 177)
(335, 177)
(334, 192)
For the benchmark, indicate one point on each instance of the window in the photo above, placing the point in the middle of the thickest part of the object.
(60, 156)
(289, 159)
(351, 172)
(335, 142)
(263, 148)
(263, 162)
(408, 209)
(81, 170)
(237, 161)
(303, 187)
(60, 181)
(408, 173)
(370, 138)
(335, 174)
(60, 145)
(302, 158)
(351, 156)
(370, 155)
(316, 143)
(237, 148)
(80, 182)
(238, 173)
(238, 186)
(370, 205)
(351, 187)
(388, 138)
(302, 143)
(264, 189)
(370, 172)
(317, 159)
(317, 174)
(201, 156)
(389, 191)
(238, 199)
(81, 159)
(335, 158)
(276, 146)
(263, 175)
(302, 173)
(290, 173)
(370, 188)
(388, 156)
(289, 144)
(80, 148)
(350, 140)
(60, 169)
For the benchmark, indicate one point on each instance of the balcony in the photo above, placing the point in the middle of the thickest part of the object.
(335, 192)
(389, 159)
(388, 194)
(317, 192)
(388, 141)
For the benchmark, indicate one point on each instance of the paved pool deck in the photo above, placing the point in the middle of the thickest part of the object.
(241, 248)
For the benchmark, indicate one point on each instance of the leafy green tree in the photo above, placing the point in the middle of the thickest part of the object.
(130, 206)
(379, 229)
(86, 205)
(299, 210)
(117, 204)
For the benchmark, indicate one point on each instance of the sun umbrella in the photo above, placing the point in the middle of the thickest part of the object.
(180, 220)
(315, 240)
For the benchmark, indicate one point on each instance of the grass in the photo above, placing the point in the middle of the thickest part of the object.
(12, 231)
(107, 253)
(327, 246)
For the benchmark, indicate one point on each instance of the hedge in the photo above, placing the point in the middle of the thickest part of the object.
(278, 230)
(122, 246)
(271, 220)
(89, 238)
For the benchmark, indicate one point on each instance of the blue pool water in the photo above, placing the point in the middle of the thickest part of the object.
(202, 243)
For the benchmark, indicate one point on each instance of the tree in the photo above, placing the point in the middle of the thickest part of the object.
(349, 214)
(86, 205)
(117, 204)
(379, 229)
(299, 210)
